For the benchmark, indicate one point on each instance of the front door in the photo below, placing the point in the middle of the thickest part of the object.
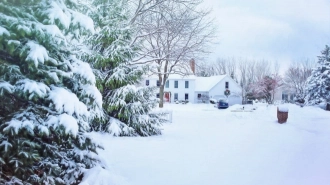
(167, 96)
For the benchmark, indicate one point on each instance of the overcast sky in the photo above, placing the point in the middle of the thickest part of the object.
(276, 30)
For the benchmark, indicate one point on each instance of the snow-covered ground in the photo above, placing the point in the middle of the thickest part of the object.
(207, 146)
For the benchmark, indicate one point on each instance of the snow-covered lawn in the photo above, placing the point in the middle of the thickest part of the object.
(207, 146)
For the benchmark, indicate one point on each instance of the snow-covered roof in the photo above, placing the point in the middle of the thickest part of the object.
(174, 77)
(177, 76)
(207, 83)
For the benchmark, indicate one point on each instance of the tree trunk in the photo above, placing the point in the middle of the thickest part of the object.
(161, 96)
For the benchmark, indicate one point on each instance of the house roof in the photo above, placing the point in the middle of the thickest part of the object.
(178, 77)
(207, 83)
(174, 77)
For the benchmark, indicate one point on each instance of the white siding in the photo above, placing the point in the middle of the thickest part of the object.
(219, 88)
(181, 90)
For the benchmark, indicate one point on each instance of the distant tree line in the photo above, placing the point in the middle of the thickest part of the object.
(261, 79)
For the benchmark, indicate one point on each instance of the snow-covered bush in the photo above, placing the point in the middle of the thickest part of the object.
(48, 95)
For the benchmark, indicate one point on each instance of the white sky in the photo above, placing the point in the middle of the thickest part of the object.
(275, 30)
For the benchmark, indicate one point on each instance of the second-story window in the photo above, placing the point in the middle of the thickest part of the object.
(186, 84)
(158, 83)
(167, 84)
(176, 84)
(227, 85)
(147, 82)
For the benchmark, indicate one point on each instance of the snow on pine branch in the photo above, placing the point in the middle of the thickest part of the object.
(119, 74)
(53, 76)
(66, 17)
(124, 73)
(57, 13)
(4, 31)
(123, 92)
(94, 99)
(25, 28)
(85, 154)
(32, 88)
(67, 102)
(83, 70)
(83, 21)
(92, 92)
(117, 127)
(37, 54)
(5, 86)
(53, 31)
(15, 125)
(69, 123)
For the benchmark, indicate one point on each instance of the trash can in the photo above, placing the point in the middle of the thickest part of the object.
(282, 114)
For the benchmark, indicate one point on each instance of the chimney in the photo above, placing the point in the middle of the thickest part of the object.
(192, 65)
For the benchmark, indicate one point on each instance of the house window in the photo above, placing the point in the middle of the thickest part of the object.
(186, 84)
(199, 95)
(291, 96)
(284, 97)
(147, 82)
(175, 96)
(176, 84)
(186, 97)
(227, 85)
(167, 84)
(158, 83)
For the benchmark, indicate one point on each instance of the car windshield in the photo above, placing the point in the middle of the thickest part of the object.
(223, 101)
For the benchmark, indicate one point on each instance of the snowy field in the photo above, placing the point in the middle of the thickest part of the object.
(207, 146)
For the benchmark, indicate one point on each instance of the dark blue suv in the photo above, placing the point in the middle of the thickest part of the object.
(222, 104)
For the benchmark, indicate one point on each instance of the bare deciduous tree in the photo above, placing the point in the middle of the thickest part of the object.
(295, 78)
(225, 66)
(262, 69)
(220, 67)
(204, 69)
(244, 82)
(172, 34)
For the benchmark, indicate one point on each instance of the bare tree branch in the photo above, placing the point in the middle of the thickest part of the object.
(171, 32)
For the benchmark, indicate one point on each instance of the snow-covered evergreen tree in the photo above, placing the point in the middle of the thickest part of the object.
(127, 105)
(318, 86)
(48, 95)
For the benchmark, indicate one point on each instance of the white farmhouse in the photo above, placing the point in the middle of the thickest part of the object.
(177, 87)
(197, 89)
